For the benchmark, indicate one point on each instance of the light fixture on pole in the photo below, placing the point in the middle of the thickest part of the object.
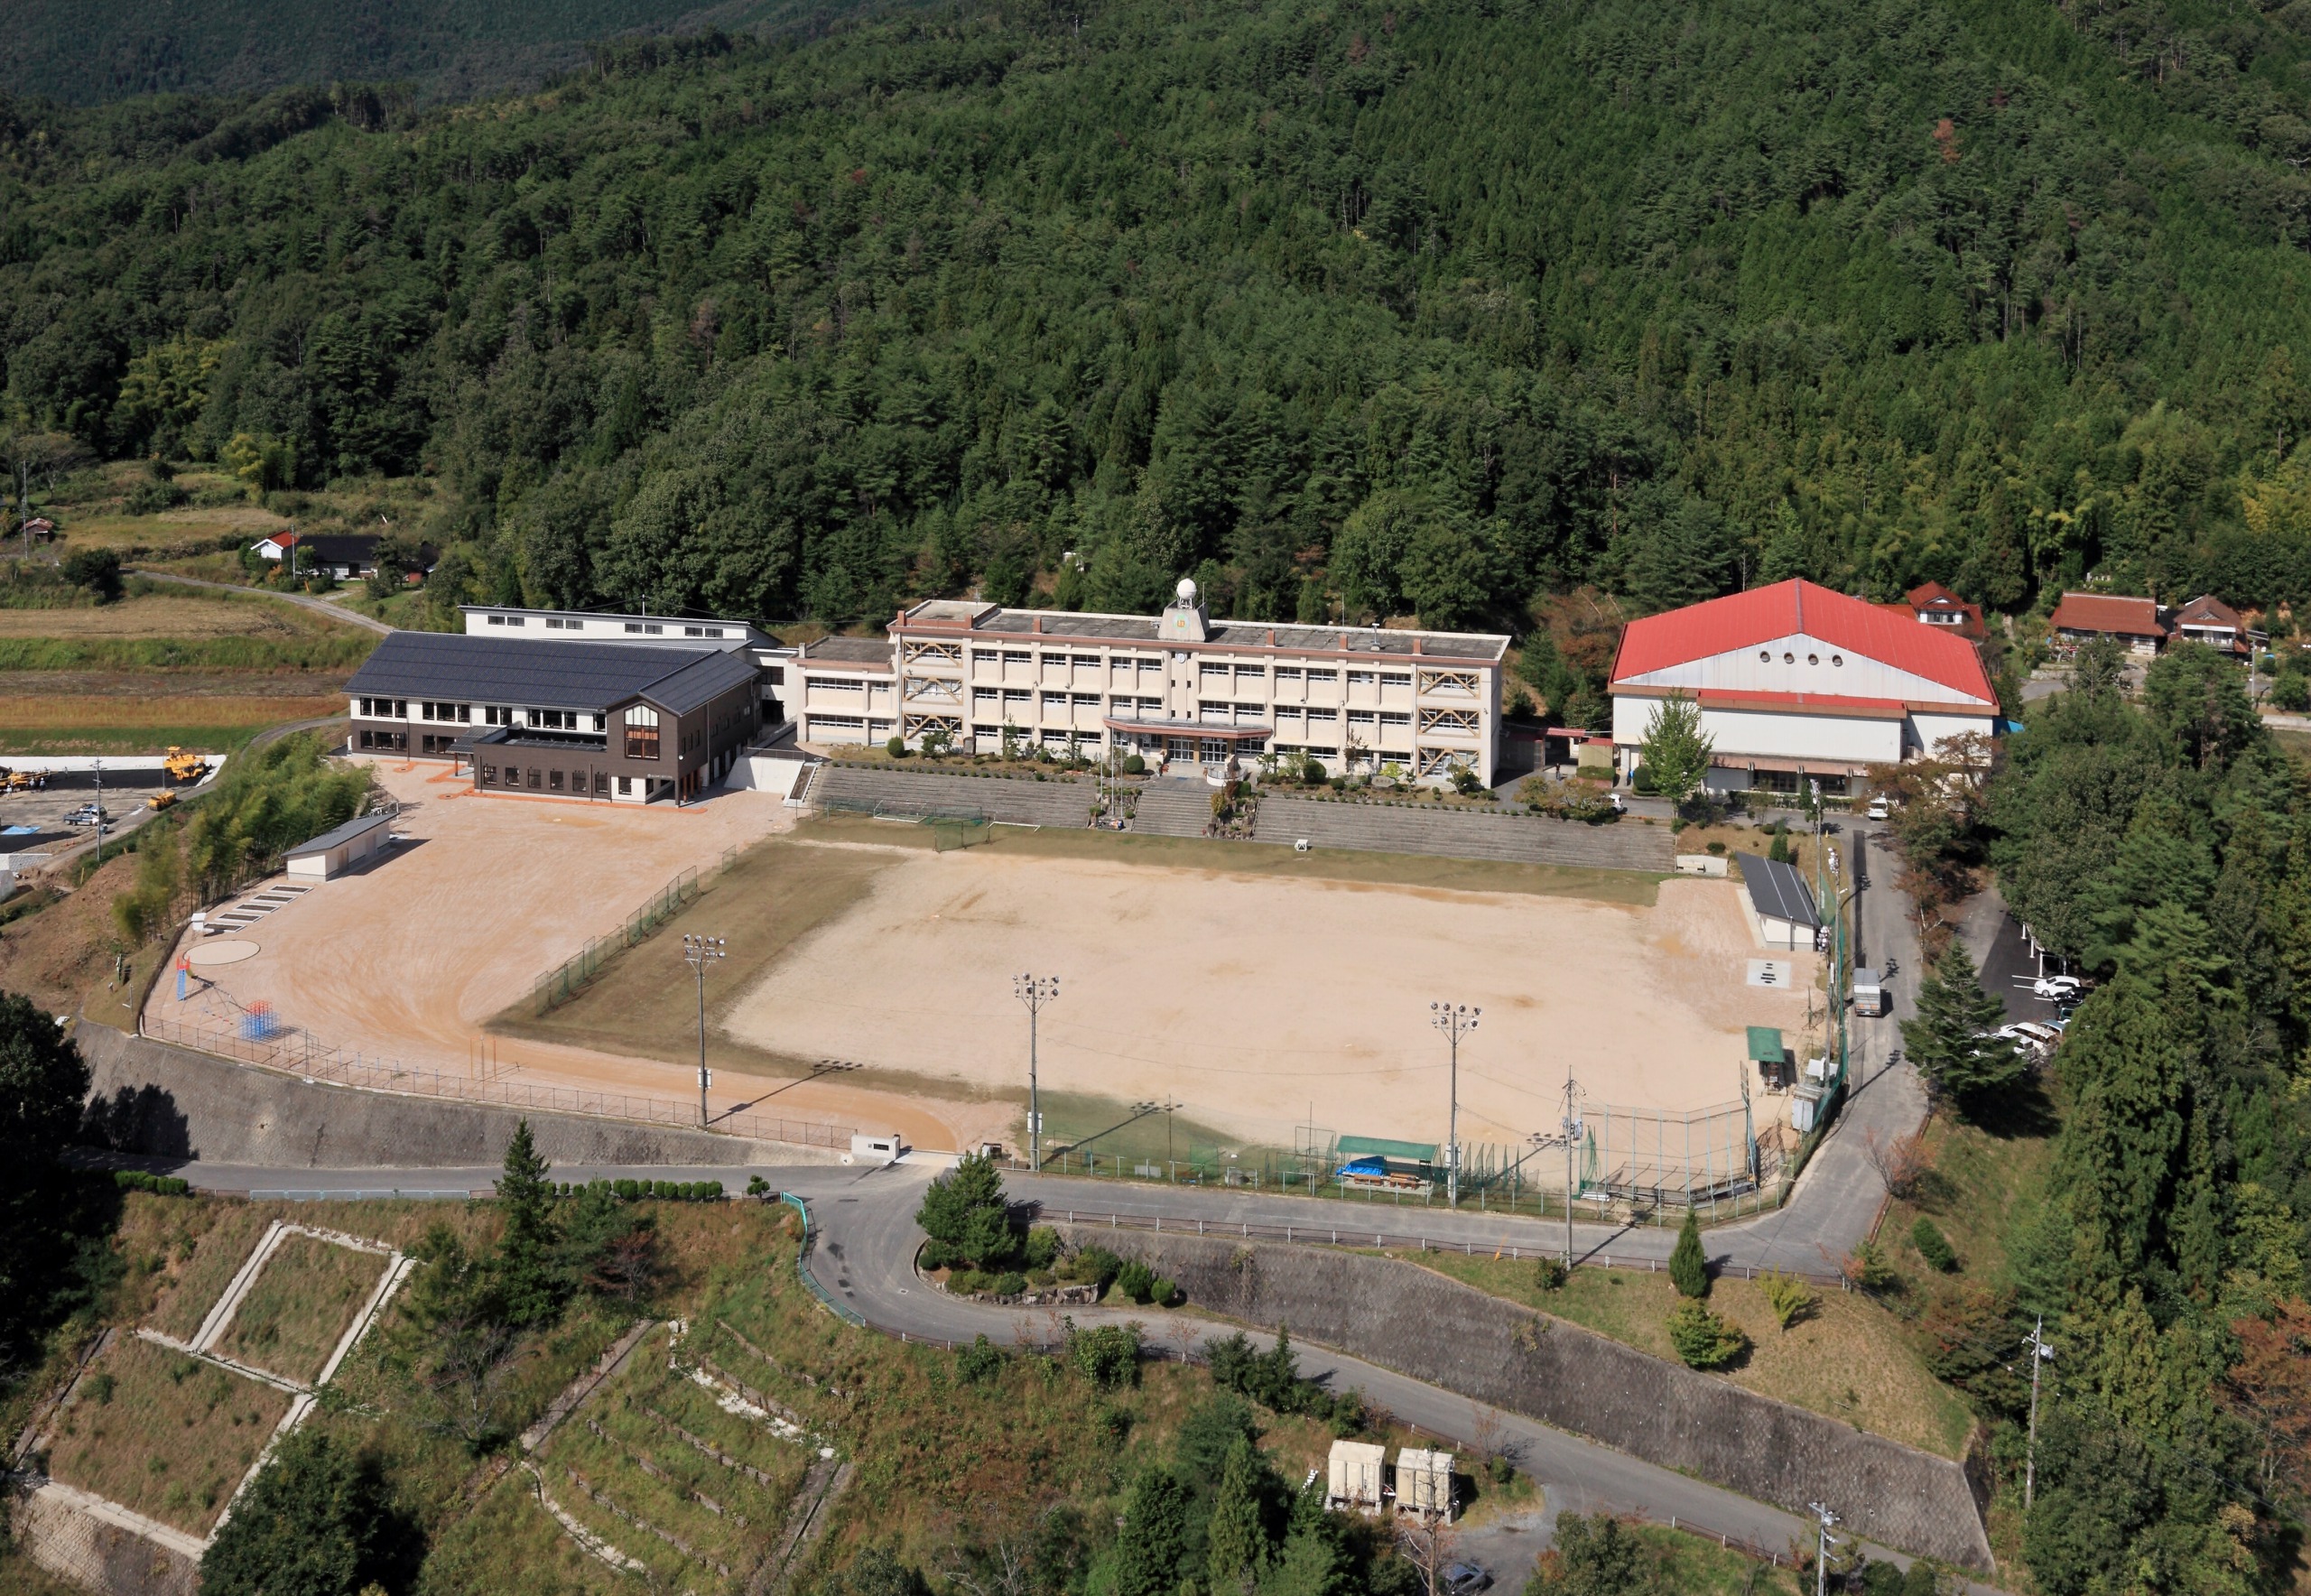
(1456, 1020)
(1822, 1556)
(698, 951)
(1034, 991)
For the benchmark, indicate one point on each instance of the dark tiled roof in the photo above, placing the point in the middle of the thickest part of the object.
(588, 676)
(344, 833)
(1779, 890)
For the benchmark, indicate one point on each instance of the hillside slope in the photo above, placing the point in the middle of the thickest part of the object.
(1348, 309)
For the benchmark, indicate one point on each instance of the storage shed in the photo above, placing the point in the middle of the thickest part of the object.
(333, 853)
(1781, 902)
(1424, 1482)
(1359, 1469)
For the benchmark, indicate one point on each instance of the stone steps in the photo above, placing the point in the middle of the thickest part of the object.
(1173, 809)
(1506, 838)
(1056, 802)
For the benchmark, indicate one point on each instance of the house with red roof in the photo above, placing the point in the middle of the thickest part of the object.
(2208, 620)
(2136, 623)
(1934, 605)
(1797, 682)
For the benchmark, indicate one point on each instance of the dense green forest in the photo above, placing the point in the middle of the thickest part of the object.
(87, 52)
(2165, 846)
(1347, 307)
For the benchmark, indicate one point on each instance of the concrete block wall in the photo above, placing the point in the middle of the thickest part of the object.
(152, 1098)
(80, 1546)
(1420, 1323)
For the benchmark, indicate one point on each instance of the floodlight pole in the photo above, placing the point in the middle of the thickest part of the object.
(1455, 1020)
(1571, 1125)
(1034, 991)
(697, 950)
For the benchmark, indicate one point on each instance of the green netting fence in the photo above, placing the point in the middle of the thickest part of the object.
(568, 978)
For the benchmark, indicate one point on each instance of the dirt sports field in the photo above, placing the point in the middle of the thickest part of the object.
(1258, 1001)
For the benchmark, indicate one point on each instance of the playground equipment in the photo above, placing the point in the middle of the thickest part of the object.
(259, 1022)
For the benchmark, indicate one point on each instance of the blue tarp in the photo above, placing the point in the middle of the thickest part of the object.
(1362, 1166)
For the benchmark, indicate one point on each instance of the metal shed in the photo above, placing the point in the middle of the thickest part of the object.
(1358, 1469)
(333, 853)
(1424, 1482)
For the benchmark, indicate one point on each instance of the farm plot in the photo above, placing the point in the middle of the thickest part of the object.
(164, 1434)
(677, 1473)
(301, 1306)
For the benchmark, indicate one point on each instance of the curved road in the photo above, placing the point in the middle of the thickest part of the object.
(864, 1258)
(301, 600)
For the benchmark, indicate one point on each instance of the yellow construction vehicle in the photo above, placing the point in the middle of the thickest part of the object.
(161, 799)
(19, 781)
(182, 767)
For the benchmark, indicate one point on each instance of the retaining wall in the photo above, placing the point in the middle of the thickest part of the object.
(80, 1543)
(152, 1098)
(1422, 1324)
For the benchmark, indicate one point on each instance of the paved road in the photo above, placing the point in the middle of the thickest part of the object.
(867, 1239)
(301, 600)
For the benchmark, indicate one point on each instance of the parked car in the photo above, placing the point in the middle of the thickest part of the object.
(2058, 986)
(2029, 1034)
(1465, 1579)
(1880, 807)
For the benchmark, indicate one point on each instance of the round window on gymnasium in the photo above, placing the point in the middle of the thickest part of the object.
(1837, 659)
(1788, 659)
(1765, 656)
(1813, 659)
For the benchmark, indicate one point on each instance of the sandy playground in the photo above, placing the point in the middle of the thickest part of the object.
(1262, 1003)
(407, 960)
(1258, 1002)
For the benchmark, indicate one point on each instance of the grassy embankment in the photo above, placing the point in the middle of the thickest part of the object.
(1001, 1456)
(300, 1306)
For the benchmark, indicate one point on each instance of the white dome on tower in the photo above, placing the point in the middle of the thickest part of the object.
(1186, 590)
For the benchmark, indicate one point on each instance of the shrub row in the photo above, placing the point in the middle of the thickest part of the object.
(160, 1185)
(648, 1191)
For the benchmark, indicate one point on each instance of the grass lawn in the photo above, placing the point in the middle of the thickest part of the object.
(1850, 1361)
(298, 1310)
(1982, 1181)
(164, 1434)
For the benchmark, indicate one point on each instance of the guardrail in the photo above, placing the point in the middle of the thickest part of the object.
(848, 1315)
(298, 1054)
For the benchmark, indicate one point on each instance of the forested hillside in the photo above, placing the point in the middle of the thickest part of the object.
(87, 52)
(1349, 308)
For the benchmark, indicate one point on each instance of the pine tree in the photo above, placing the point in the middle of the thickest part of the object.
(1950, 1040)
(1688, 1266)
(1237, 1541)
(317, 1521)
(1153, 1537)
(527, 1281)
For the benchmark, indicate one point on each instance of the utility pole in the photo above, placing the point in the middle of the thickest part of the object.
(1822, 1556)
(97, 766)
(2040, 1353)
(1572, 1126)
(1456, 1020)
(698, 951)
(1034, 991)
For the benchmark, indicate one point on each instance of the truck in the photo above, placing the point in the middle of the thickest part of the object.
(1869, 993)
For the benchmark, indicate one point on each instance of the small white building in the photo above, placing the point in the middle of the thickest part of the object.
(1424, 1483)
(1356, 1478)
(333, 853)
(1781, 904)
(1798, 684)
